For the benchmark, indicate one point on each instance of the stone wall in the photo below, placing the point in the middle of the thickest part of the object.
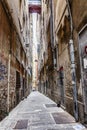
(12, 59)
(4, 52)
(61, 43)
(79, 14)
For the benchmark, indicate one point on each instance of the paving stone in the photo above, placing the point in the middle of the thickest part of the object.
(62, 129)
(63, 118)
(50, 105)
(38, 112)
(21, 124)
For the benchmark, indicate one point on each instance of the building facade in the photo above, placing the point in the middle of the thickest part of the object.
(62, 69)
(14, 75)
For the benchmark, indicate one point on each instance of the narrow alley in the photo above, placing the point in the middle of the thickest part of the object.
(43, 64)
(38, 112)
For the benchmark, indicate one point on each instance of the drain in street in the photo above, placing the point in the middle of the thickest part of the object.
(63, 118)
(21, 124)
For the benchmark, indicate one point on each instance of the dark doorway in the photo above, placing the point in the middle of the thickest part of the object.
(61, 78)
(18, 85)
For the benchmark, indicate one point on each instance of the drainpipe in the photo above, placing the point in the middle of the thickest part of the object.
(73, 67)
(51, 24)
(8, 102)
(52, 29)
(9, 66)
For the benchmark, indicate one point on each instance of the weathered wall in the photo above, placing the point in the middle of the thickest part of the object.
(13, 59)
(62, 30)
(61, 43)
(4, 52)
(79, 13)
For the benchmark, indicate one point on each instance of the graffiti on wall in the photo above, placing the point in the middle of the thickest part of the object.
(3, 71)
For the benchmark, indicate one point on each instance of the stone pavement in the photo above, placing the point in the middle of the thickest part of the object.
(38, 112)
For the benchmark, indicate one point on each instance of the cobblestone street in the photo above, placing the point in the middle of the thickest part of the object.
(38, 112)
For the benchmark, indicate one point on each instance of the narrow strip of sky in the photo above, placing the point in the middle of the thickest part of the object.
(36, 2)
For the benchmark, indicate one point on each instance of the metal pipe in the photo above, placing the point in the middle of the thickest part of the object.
(9, 66)
(51, 24)
(52, 29)
(73, 67)
(71, 21)
(8, 101)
